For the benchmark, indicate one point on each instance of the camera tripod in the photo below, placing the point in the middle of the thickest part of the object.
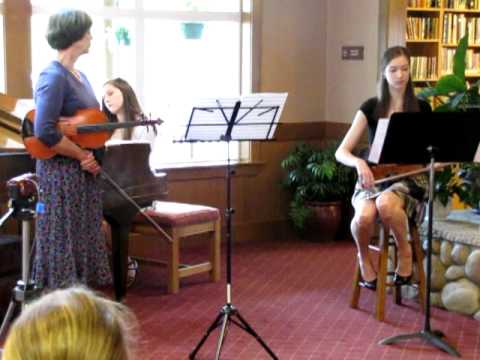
(21, 206)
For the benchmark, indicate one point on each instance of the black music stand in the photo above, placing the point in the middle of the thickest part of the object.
(253, 117)
(414, 138)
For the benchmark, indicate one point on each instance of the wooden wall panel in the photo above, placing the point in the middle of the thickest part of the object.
(260, 203)
(18, 64)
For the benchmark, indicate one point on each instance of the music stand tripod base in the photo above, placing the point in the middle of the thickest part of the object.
(228, 314)
(433, 337)
(261, 116)
(429, 141)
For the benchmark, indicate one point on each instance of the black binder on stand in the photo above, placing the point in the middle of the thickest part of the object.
(251, 118)
(416, 138)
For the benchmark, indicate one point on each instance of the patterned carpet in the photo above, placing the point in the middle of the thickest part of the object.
(295, 296)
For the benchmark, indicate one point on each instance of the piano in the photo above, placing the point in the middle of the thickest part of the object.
(125, 162)
(13, 158)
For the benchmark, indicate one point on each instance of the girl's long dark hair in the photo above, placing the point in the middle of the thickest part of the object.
(131, 105)
(410, 101)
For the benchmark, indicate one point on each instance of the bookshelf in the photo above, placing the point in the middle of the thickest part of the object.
(432, 30)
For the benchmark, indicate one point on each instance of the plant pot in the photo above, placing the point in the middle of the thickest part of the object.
(324, 225)
(192, 30)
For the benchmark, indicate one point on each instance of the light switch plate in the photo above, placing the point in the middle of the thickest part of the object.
(352, 52)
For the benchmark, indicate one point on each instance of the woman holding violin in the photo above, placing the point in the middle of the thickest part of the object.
(398, 202)
(70, 247)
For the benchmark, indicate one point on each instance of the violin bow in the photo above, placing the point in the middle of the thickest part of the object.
(411, 173)
(127, 197)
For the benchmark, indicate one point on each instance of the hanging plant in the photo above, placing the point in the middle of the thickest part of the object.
(192, 30)
(123, 36)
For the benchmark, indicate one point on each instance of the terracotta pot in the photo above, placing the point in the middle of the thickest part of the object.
(325, 223)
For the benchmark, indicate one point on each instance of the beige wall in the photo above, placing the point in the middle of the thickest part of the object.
(292, 56)
(300, 53)
(349, 83)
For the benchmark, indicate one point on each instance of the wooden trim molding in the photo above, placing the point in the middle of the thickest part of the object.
(207, 172)
(306, 131)
(256, 43)
(18, 64)
(300, 131)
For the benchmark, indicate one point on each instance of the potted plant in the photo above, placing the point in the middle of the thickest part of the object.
(470, 185)
(192, 30)
(123, 36)
(454, 93)
(318, 185)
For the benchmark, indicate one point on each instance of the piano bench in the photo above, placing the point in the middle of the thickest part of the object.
(180, 221)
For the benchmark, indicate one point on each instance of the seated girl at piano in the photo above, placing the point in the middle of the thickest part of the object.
(120, 104)
(399, 201)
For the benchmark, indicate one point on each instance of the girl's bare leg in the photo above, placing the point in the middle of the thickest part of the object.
(362, 227)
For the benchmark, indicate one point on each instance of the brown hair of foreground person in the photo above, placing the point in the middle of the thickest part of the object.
(72, 324)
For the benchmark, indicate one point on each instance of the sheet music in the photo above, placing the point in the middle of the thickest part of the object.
(477, 155)
(257, 118)
(378, 140)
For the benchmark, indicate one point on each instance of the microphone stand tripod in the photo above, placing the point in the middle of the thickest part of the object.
(229, 313)
(25, 289)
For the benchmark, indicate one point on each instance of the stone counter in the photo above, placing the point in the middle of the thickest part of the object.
(455, 281)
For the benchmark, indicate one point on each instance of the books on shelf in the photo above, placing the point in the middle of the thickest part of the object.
(423, 67)
(455, 27)
(463, 4)
(424, 3)
(472, 61)
(433, 30)
(422, 28)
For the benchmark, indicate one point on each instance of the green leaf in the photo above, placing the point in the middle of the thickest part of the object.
(459, 58)
(443, 108)
(450, 83)
(455, 101)
(427, 92)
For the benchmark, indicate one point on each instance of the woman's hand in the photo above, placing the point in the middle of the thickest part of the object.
(365, 175)
(88, 163)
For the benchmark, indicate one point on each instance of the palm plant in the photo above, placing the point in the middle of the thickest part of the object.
(312, 176)
(452, 91)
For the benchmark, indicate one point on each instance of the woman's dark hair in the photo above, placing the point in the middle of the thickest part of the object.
(410, 102)
(131, 105)
(66, 27)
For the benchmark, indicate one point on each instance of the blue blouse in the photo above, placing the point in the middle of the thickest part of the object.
(59, 93)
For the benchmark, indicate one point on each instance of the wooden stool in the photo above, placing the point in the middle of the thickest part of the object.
(385, 241)
(181, 221)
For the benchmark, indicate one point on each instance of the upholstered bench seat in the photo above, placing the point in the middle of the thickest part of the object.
(178, 214)
(180, 220)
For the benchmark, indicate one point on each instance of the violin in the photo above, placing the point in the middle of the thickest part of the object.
(88, 128)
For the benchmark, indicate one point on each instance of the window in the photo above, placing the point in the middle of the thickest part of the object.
(150, 44)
